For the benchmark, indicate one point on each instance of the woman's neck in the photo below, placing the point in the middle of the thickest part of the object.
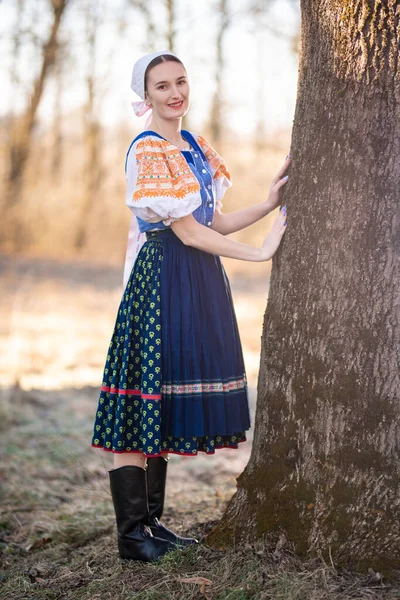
(171, 131)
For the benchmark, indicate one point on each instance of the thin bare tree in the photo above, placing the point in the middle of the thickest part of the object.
(16, 42)
(259, 12)
(216, 116)
(146, 9)
(21, 133)
(92, 126)
(171, 27)
(57, 129)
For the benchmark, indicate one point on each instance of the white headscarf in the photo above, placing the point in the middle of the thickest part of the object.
(137, 83)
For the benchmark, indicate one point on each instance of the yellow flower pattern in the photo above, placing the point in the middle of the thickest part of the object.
(128, 415)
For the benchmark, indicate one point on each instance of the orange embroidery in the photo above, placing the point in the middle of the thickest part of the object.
(215, 161)
(162, 171)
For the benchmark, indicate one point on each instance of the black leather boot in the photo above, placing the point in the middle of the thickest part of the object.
(129, 494)
(156, 480)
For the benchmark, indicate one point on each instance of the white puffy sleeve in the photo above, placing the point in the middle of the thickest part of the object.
(160, 183)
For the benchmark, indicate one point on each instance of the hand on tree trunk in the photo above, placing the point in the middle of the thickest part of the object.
(274, 197)
(273, 239)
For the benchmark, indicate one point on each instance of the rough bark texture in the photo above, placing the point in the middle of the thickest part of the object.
(325, 462)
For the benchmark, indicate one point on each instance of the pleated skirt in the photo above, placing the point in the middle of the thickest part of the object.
(174, 378)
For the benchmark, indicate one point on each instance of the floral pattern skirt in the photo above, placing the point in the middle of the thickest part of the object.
(174, 377)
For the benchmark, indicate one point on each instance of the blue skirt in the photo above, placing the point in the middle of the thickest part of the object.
(174, 379)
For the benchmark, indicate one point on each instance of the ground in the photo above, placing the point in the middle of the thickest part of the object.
(58, 536)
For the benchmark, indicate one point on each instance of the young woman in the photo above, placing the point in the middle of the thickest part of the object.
(174, 378)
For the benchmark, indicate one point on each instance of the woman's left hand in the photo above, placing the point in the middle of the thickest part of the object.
(278, 181)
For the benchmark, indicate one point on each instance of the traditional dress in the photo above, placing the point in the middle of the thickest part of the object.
(174, 379)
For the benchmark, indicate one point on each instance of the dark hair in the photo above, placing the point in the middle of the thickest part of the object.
(157, 61)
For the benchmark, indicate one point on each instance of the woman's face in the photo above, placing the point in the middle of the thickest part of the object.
(168, 90)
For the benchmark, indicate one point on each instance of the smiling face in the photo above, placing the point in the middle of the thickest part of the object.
(167, 90)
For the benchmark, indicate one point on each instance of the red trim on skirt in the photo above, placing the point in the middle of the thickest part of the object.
(105, 388)
(165, 451)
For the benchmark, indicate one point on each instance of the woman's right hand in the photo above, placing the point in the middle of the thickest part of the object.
(273, 239)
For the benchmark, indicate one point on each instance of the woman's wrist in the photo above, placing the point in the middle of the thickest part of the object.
(267, 207)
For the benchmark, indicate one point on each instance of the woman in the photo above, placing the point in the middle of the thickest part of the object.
(174, 378)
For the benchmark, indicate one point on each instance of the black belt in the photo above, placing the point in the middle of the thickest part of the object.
(157, 233)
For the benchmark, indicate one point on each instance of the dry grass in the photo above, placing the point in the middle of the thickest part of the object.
(57, 532)
(58, 536)
(92, 571)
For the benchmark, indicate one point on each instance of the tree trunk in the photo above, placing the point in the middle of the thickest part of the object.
(216, 119)
(57, 133)
(325, 467)
(171, 8)
(146, 8)
(92, 128)
(20, 143)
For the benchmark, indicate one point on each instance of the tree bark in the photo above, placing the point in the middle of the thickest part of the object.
(324, 468)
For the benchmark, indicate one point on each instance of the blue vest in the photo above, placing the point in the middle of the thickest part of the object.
(198, 164)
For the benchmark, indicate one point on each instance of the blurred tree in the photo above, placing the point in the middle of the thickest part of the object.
(146, 8)
(57, 136)
(16, 38)
(324, 470)
(92, 125)
(259, 11)
(171, 30)
(224, 20)
(21, 132)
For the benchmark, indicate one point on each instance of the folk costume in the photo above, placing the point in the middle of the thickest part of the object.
(174, 379)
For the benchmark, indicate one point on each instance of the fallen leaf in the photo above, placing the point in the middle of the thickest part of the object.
(201, 581)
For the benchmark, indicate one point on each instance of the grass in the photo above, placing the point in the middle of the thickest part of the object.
(58, 536)
(254, 573)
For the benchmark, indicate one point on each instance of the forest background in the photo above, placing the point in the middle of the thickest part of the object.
(67, 122)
